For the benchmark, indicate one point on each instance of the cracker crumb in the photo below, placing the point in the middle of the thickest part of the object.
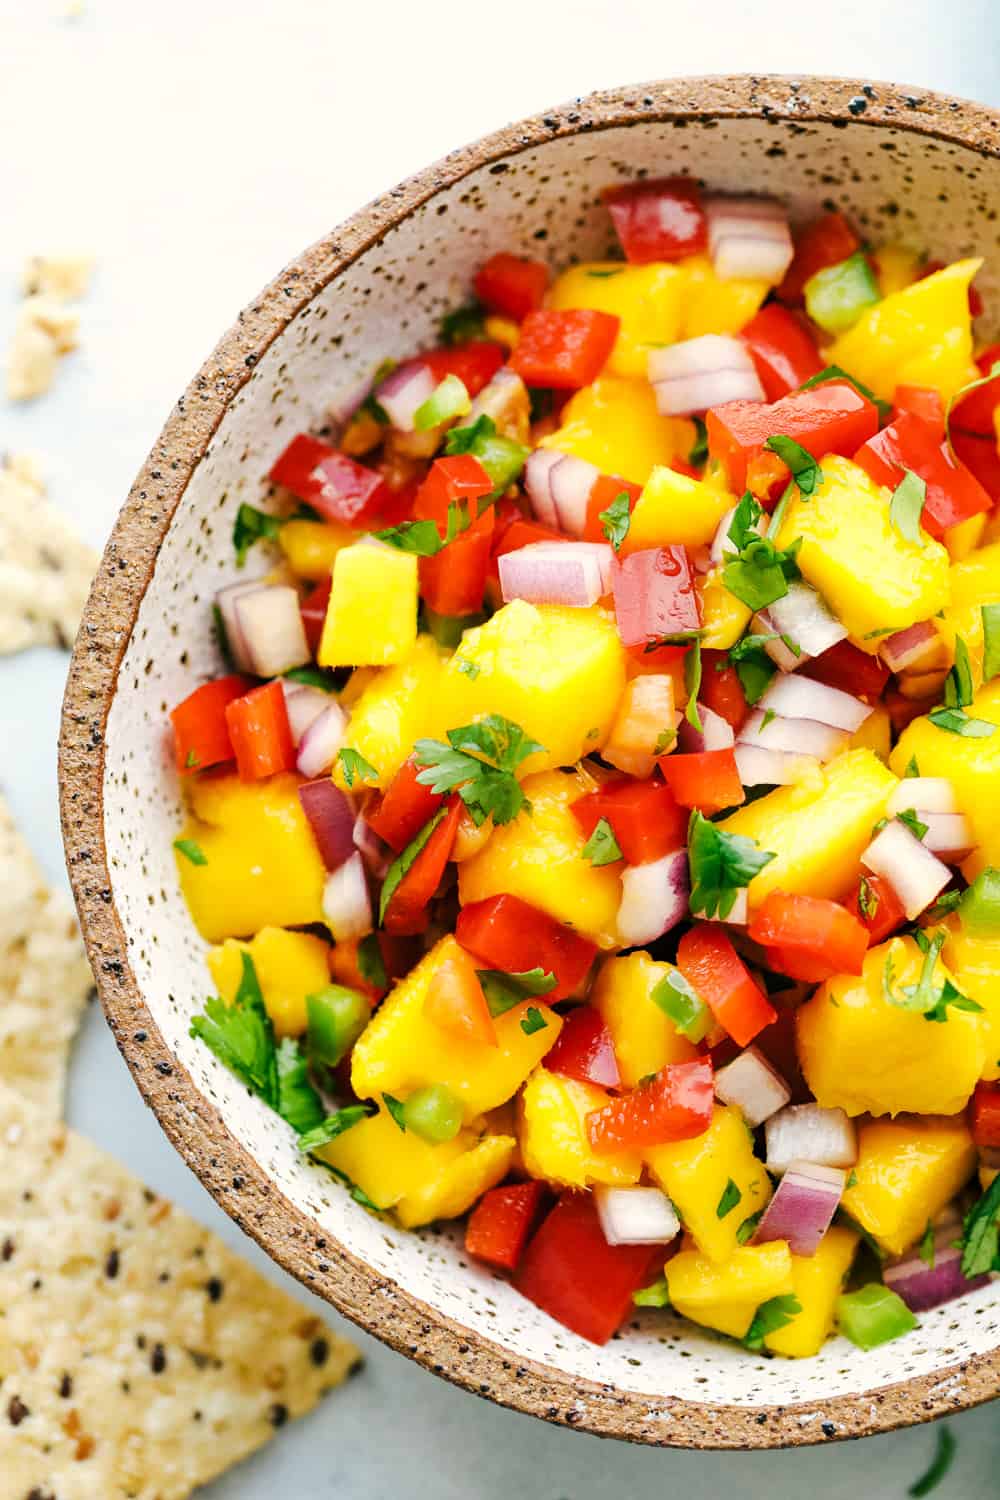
(45, 570)
(46, 328)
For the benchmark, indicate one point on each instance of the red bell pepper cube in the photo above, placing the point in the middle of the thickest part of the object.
(824, 243)
(475, 363)
(721, 689)
(313, 611)
(458, 480)
(675, 1105)
(644, 816)
(338, 487)
(511, 286)
(452, 583)
(878, 908)
(521, 533)
(406, 913)
(655, 597)
(201, 735)
(455, 1000)
(571, 1272)
(584, 1050)
(954, 494)
(606, 489)
(811, 928)
(844, 666)
(976, 411)
(783, 351)
(707, 779)
(564, 348)
(980, 456)
(404, 809)
(920, 401)
(507, 933)
(260, 733)
(833, 417)
(985, 1114)
(707, 958)
(659, 219)
(501, 1222)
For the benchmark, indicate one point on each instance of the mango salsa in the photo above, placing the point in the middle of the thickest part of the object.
(646, 300)
(726, 1296)
(817, 1281)
(553, 1135)
(676, 508)
(615, 424)
(397, 707)
(696, 1174)
(644, 1038)
(907, 1170)
(289, 965)
(371, 620)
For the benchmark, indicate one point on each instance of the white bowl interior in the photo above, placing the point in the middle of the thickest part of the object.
(541, 202)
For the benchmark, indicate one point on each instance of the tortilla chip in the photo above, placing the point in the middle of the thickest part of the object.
(44, 976)
(45, 570)
(139, 1357)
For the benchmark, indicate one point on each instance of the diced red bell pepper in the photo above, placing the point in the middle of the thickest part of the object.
(396, 505)
(606, 489)
(397, 957)
(976, 411)
(721, 689)
(706, 779)
(406, 913)
(507, 933)
(501, 1222)
(655, 597)
(260, 733)
(644, 816)
(201, 735)
(584, 1050)
(455, 999)
(811, 928)
(521, 533)
(824, 243)
(985, 1112)
(338, 487)
(707, 958)
(505, 512)
(475, 363)
(783, 352)
(313, 611)
(675, 1105)
(452, 583)
(920, 401)
(564, 348)
(878, 907)
(954, 494)
(404, 809)
(658, 219)
(844, 666)
(980, 456)
(832, 417)
(511, 286)
(571, 1272)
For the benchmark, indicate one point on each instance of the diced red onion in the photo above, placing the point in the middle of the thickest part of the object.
(695, 374)
(949, 836)
(225, 603)
(803, 698)
(270, 621)
(909, 647)
(536, 483)
(376, 854)
(303, 705)
(570, 573)
(807, 1132)
(921, 1286)
(402, 392)
(738, 914)
(793, 736)
(748, 237)
(636, 1216)
(331, 819)
(322, 740)
(716, 733)
(570, 484)
(803, 617)
(916, 875)
(753, 1086)
(760, 767)
(347, 907)
(654, 898)
(803, 1207)
(925, 794)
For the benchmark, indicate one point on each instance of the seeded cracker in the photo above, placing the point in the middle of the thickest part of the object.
(44, 977)
(45, 570)
(139, 1357)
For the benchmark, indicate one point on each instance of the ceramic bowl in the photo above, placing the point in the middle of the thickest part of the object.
(906, 165)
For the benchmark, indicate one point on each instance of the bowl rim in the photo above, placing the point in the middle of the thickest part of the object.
(241, 1187)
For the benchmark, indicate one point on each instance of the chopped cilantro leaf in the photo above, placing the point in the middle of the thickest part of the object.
(403, 862)
(334, 1125)
(602, 846)
(721, 865)
(939, 1466)
(912, 769)
(731, 1196)
(699, 448)
(926, 1250)
(396, 1109)
(805, 470)
(462, 324)
(926, 997)
(253, 525)
(533, 1021)
(298, 1102)
(467, 668)
(909, 818)
(615, 521)
(191, 850)
(906, 506)
(312, 676)
(991, 641)
(769, 1317)
(834, 372)
(957, 721)
(371, 964)
(423, 537)
(748, 1228)
(966, 390)
(241, 1035)
(503, 991)
(479, 762)
(354, 765)
(981, 1234)
(959, 689)
(868, 901)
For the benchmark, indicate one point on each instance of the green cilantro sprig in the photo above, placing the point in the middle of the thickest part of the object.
(616, 520)
(721, 865)
(503, 991)
(929, 997)
(769, 1317)
(759, 572)
(479, 762)
(981, 1234)
(404, 862)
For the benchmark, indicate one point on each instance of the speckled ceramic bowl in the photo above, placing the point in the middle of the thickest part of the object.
(904, 164)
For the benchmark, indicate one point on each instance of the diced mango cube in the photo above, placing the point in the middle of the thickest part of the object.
(696, 1174)
(644, 1037)
(395, 708)
(975, 581)
(974, 959)
(724, 618)
(817, 1281)
(674, 507)
(289, 966)
(615, 425)
(725, 1297)
(710, 304)
(963, 538)
(312, 546)
(907, 1170)
(553, 1134)
(460, 1184)
(896, 267)
(875, 733)
(371, 620)
(645, 299)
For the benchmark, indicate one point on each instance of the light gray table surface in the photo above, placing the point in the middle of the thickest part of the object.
(194, 146)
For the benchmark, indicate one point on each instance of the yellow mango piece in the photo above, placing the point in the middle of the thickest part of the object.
(921, 335)
(817, 1281)
(289, 965)
(974, 960)
(963, 539)
(262, 865)
(971, 765)
(875, 734)
(615, 425)
(694, 1174)
(460, 1184)
(710, 305)
(644, 1038)
(401, 1049)
(907, 1170)
(645, 299)
(676, 508)
(310, 547)
(371, 620)
(395, 708)
(975, 581)
(539, 857)
(553, 1134)
(726, 1296)
(502, 331)
(864, 1055)
(559, 673)
(869, 574)
(896, 267)
(818, 828)
(724, 618)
